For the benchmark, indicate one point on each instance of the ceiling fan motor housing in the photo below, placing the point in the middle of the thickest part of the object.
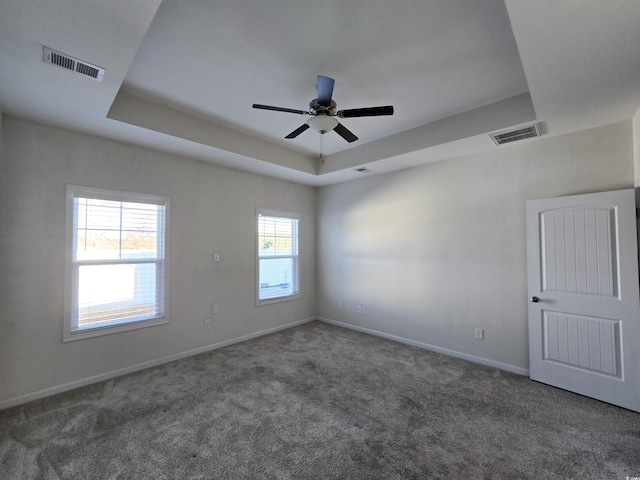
(316, 109)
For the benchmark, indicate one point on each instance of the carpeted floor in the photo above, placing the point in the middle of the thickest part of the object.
(318, 401)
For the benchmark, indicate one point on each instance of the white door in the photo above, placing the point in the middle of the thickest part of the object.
(584, 313)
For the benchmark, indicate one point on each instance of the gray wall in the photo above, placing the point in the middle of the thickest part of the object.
(432, 252)
(636, 146)
(436, 251)
(212, 210)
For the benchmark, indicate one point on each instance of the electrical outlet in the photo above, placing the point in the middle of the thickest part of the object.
(479, 334)
(216, 257)
(207, 324)
(215, 309)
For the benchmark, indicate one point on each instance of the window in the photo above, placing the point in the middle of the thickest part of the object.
(116, 271)
(277, 245)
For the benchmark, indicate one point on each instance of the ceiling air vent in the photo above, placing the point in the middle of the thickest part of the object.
(509, 136)
(70, 63)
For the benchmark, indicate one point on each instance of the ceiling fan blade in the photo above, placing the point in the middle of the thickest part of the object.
(298, 131)
(279, 109)
(325, 90)
(345, 133)
(366, 112)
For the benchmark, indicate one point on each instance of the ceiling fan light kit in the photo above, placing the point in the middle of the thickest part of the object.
(323, 112)
(322, 123)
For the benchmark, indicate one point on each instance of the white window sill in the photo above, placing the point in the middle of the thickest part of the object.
(92, 332)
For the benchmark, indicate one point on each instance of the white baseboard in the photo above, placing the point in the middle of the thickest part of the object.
(433, 348)
(13, 402)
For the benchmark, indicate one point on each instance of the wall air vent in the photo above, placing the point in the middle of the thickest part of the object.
(509, 136)
(70, 63)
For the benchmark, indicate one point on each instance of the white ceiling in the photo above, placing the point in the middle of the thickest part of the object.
(181, 75)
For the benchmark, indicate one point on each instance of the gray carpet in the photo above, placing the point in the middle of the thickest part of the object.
(318, 401)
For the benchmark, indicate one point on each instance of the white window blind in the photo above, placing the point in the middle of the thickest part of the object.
(118, 249)
(277, 251)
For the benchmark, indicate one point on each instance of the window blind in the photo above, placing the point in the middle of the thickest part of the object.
(278, 274)
(118, 258)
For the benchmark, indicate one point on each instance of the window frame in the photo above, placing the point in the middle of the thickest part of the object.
(295, 257)
(71, 331)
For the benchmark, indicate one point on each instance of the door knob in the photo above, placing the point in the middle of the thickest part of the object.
(535, 299)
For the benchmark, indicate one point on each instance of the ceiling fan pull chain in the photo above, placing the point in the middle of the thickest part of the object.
(322, 148)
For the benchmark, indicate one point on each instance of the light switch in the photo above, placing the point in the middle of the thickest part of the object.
(216, 257)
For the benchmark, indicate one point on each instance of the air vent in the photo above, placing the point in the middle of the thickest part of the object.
(363, 170)
(501, 138)
(70, 63)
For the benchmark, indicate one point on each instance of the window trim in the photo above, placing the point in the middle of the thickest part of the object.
(276, 213)
(70, 284)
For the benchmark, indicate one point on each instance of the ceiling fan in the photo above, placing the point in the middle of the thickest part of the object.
(323, 111)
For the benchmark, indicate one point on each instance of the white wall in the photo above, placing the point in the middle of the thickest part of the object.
(212, 210)
(435, 251)
(432, 252)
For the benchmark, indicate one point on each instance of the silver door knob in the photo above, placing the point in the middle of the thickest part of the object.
(535, 299)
